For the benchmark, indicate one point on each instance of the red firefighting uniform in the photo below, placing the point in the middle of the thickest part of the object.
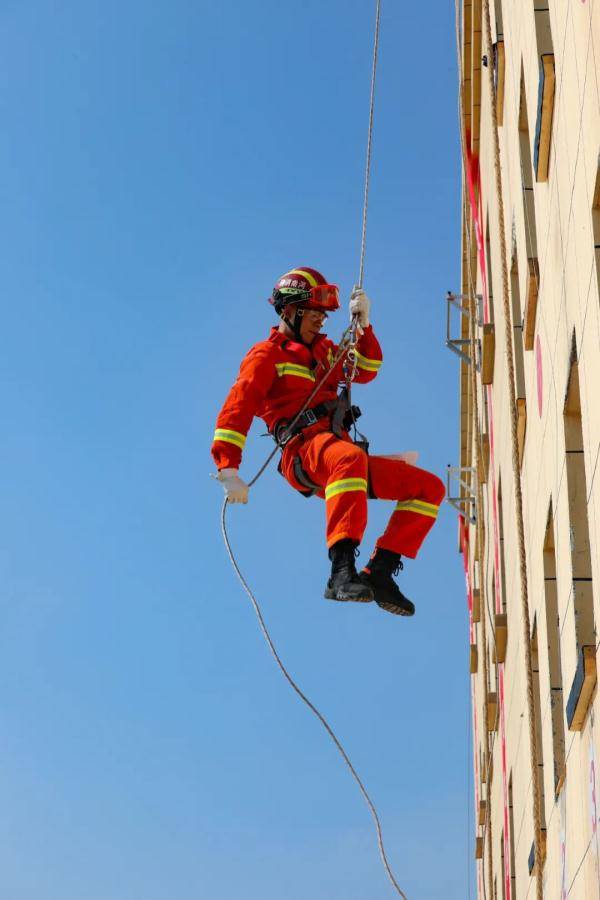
(275, 379)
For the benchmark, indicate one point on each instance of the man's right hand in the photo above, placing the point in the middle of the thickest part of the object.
(236, 490)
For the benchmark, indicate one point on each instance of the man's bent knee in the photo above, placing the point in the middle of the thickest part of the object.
(437, 490)
(352, 458)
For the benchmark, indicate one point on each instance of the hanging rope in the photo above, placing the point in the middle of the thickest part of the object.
(363, 243)
(516, 464)
(311, 706)
(346, 351)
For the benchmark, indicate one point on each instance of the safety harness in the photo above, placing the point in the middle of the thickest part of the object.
(342, 416)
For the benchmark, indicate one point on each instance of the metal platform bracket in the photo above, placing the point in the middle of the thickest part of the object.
(461, 303)
(460, 480)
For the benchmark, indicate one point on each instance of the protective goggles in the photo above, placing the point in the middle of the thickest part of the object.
(325, 297)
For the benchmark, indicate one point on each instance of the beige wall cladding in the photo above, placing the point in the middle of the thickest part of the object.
(548, 70)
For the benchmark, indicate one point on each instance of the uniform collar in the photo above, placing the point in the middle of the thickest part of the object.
(280, 339)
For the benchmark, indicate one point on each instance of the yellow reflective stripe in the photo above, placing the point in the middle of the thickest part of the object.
(346, 484)
(418, 506)
(293, 369)
(230, 437)
(371, 365)
(310, 278)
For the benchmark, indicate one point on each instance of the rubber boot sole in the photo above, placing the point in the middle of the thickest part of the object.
(396, 610)
(338, 594)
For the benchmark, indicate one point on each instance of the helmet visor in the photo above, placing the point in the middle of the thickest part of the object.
(325, 297)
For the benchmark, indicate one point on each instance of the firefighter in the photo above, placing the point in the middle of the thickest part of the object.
(276, 377)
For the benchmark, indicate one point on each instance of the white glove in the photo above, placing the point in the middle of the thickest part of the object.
(360, 306)
(236, 490)
(409, 456)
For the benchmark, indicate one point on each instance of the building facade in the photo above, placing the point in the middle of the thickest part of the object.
(532, 653)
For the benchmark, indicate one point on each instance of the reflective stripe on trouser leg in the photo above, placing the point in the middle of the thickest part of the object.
(418, 494)
(346, 501)
(405, 532)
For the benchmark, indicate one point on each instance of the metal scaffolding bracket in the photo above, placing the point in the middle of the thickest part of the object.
(461, 303)
(459, 478)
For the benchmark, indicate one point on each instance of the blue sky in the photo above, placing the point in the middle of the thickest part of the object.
(160, 166)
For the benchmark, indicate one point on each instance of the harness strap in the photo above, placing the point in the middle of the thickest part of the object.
(309, 417)
(344, 415)
(341, 410)
(303, 479)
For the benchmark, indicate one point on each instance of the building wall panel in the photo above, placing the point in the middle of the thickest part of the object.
(553, 222)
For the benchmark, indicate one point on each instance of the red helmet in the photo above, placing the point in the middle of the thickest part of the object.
(307, 288)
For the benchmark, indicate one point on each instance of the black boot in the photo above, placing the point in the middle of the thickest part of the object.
(345, 582)
(378, 575)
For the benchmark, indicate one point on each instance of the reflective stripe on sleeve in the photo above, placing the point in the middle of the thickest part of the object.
(230, 437)
(294, 369)
(418, 506)
(370, 365)
(346, 484)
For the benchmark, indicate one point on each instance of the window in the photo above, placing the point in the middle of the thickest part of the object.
(511, 831)
(502, 864)
(501, 542)
(554, 660)
(517, 323)
(583, 602)
(543, 31)
(578, 516)
(488, 262)
(476, 12)
(545, 107)
(530, 223)
(499, 67)
(500, 620)
(596, 226)
(484, 462)
(537, 707)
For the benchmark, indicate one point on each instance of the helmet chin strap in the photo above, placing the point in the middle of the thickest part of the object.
(295, 324)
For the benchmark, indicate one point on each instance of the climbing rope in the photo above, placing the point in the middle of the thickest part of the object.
(310, 705)
(352, 357)
(346, 353)
(363, 243)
